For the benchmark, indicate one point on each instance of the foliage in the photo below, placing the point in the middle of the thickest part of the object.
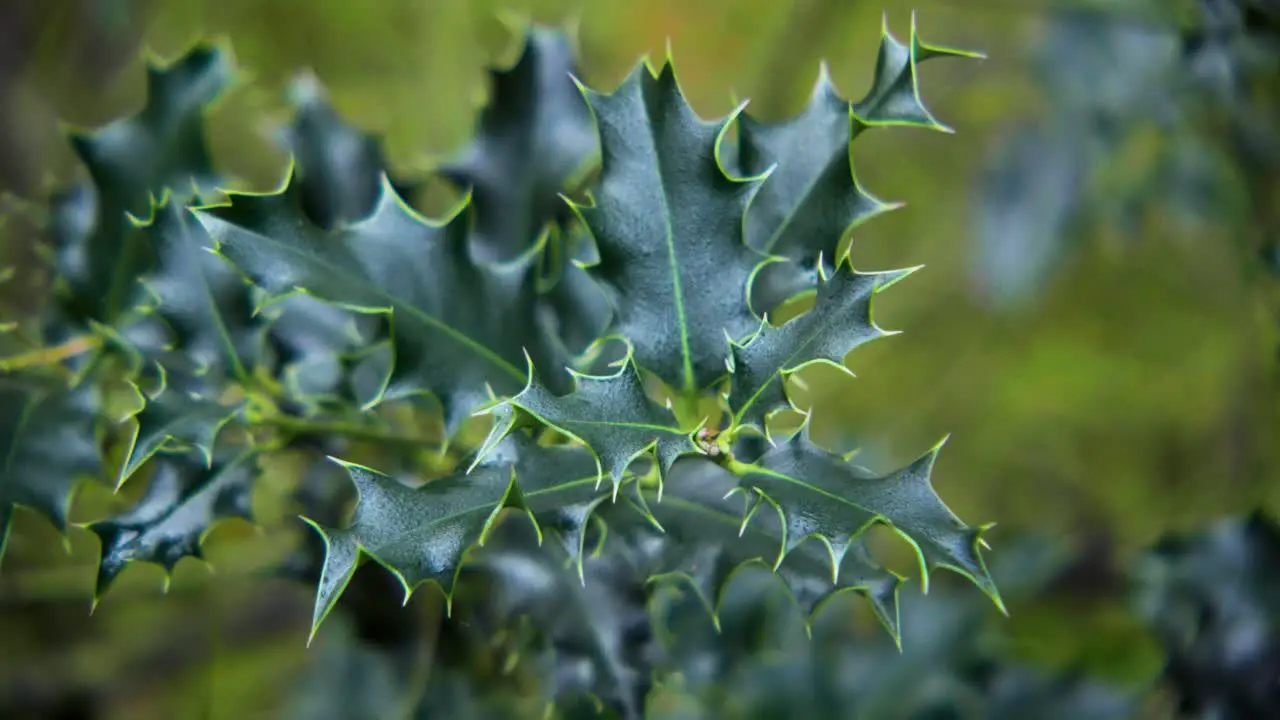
(1188, 106)
(1212, 597)
(607, 341)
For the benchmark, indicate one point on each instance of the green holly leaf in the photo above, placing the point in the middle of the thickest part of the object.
(578, 304)
(458, 327)
(813, 197)
(821, 496)
(841, 320)
(535, 139)
(707, 535)
(314, 343)
(48, 442)
(667, 221)
(206, 306)
(611, 415)
(339, 167)
(183, 412)
(423, 534)
(130, 160)
(587, 623)
(185, 498)
(1202, 593)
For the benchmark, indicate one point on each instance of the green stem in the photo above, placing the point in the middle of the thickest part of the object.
(50, 355)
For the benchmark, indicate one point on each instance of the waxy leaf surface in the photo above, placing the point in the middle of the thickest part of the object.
(813, 198)
(458, 327)
(183, 501)
(48, 441)
(534, 139)
(129, 161)
(706, 538)
(839, 322)
(611, 415)
(206, 305)
(820, 495)
(423, 534)
(667, 221)
(339, 167)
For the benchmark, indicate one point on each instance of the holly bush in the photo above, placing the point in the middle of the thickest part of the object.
(564, 402)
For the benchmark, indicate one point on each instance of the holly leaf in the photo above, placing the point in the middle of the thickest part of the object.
(841, 320)
(667, 221)
(314, 342)
(48, 442)
(1211, 598)
(339, 167)
(591, 626)
(423, 534)
(611, 415)
(206, 306)
(534, 140)
(185, 498)
(129, 161)
(707, 535)
(813, 197)
(578, 305)
(457, 326)
(183, 412)
(822, 496)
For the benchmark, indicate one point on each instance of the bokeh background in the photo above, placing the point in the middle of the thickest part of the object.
(1094, 326)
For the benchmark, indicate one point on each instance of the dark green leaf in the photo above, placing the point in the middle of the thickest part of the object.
(578, 304)
(131, 160)
(587, 623)
(813, 198)
(611, 415)
(535, 138)
(206, 305)
(1212, 598)
(667, 221)
(705, 539)
(820, 495)
(459, 328)
(339, 168)
(185, 498)
(315, 343)
(48, 442)
(841, 320)
(423, 534)
(183, 413)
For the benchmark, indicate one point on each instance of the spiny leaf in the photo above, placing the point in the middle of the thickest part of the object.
(206, 305)
(183, 413)
(667, 221)
(1213, 599)
(535, 138)
(130, 160)
(813, 198)
(706, 539)
(841, 320)
(820, 495)
(315, 343)
(611, 415)
(578, 304)
(423, 534)
(339, 167)
(458, 327)
(48, 441)
(339, 175)
(589, 623)
(184, 500)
